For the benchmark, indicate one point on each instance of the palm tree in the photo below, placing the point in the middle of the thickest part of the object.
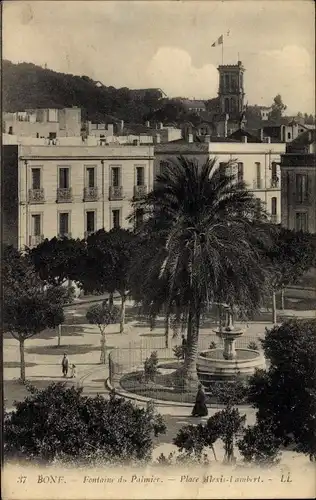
(197, 245)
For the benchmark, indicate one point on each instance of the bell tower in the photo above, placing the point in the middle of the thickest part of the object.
(231, 89)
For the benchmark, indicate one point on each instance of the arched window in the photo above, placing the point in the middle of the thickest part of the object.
(274, 206)
(226, 104)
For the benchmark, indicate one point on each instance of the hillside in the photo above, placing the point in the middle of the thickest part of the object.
(27, 86)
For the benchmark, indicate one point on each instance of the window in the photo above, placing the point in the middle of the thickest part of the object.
(226, 105)
(115, 219)
(240, 172)
(90, 177)
(36, 178)
(64, 223)
(258, 175)
(222, 169)
(258, 206)
(273, 206)
(10, 131)
(36, 224)
(301, 188)
(64, 177)
(90, 221)
(289, 135)
(139, 217)
(274, 170)
(140, 176)
(52, 135)
(115, 177)
(301, 222)
(227, 82)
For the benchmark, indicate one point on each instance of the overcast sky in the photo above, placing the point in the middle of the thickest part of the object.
(168, 44)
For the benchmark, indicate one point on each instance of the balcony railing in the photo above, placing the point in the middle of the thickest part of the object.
(64, 195)
(140, 191)
(116, 192)
(88, 233)
(36, 195)
(275, 182)
(64, 235)
(274, 219)
(90, 194)
(35, 240)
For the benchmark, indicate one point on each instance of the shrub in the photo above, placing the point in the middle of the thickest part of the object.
(212, 345)
(260, 445)
(60, 424)
(178, 352)
(253, 346)
(151, 367)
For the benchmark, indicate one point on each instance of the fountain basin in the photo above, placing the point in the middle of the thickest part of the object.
(212, 366)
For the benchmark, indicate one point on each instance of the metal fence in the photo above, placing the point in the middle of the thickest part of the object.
(126, 365)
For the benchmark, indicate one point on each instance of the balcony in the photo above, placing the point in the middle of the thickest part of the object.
(64, 235)
(274, 219)
(140, 191)
(88, 233)
(275, 183)
(116, 193)
(35, 240)
(64, 195)
(36, 195)
(90, 194)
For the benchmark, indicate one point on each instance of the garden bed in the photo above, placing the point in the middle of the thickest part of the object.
(165, 387)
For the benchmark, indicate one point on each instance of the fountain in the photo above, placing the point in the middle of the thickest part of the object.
(227, 362)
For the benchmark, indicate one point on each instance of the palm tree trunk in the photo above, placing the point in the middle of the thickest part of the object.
(274, 309)
(167, 329)
(103, 348)
(213, 450)
(22, 361)
(190, 377)
(123, 305)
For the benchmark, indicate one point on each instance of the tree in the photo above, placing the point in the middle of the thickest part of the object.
(59, 423)
(229, 422)
(285, 394)
(198, 245)
(278, 107)
(102, 315)
(260, 445)
(108, 265)
(27, 308)
(58, 259)
(291, 254)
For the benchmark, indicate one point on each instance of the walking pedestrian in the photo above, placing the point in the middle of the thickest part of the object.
(184, 346)
(200, 408)
(65, 365)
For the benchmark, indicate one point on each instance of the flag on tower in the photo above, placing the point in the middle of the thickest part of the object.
(219, 41)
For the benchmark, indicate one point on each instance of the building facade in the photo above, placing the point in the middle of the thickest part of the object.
(46, 123)
(298, 181)
(70, 190)
(257, 164)
(231, 89)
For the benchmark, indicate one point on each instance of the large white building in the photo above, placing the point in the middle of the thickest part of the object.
(70, 190)
(256, 163)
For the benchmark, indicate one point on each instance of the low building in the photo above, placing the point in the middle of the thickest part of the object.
(70, 190)
(256, 163)
(298, 183)
(43, 123)
(265, 112)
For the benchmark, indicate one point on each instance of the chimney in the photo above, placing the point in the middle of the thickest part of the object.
(268, 140)
(157, 139)
(121, 125)
(190, 138)
(261, 134)
(147, 124)
(207, 138)
(160, 126)
(244, 139)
